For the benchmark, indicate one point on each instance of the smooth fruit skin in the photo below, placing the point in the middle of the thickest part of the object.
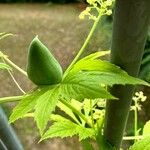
(42, 67)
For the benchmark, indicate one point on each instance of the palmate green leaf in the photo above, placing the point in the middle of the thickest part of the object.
(80, 87)
(4, 66)
(143, 144)
(46, 103)
(43, 100)
(66, 128)
(60, 129)
(107, 78)
(25, 105)
(80, 84)
(105, 72)
(85, 133)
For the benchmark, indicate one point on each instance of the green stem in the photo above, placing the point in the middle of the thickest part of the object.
(84, 44)
(14, 65)
(91, 113)
(17, 84)
(135, 120)
(13, 78)
(10, 99)
(133, 137)
(76, 111)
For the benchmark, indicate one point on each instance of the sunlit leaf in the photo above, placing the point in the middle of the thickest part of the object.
(25, 105)
(45, 104)
(65, 128)
(104, 71)
(80, 86)
(146, 129)
(141, 145)
(85, 133)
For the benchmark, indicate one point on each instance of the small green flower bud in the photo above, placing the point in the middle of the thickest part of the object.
(81, 16)
(108, 12)
(108, 2)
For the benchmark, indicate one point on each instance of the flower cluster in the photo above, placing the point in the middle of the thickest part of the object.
(139, 97)
(101, 6)
(91, 2)
(86, 12)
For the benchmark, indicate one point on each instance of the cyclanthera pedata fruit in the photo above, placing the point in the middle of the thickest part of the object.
(42, 67)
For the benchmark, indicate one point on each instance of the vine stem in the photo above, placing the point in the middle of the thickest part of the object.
(76, 111)
(12, 64)
(84, 44)
(11, 99)
(13, 78)
(17, 84)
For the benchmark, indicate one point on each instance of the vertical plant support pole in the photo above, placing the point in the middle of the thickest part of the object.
(7, 134)
(130, 27)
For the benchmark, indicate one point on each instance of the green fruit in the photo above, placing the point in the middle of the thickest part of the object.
(42, 67)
